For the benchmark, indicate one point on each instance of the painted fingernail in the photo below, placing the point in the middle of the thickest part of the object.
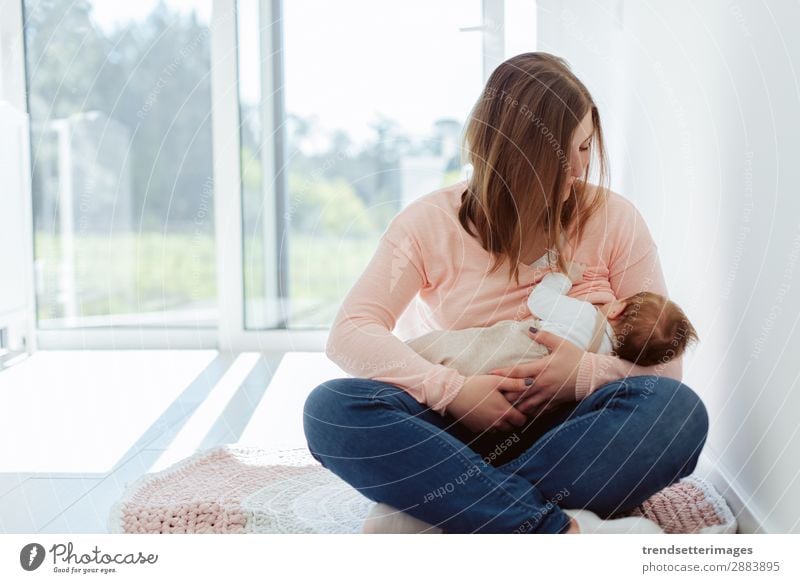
(528, 381)
(534, 330)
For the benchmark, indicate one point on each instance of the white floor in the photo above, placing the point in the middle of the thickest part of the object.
(77, 426)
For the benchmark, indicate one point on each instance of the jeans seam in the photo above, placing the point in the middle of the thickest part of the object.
(614, 400)
(380, 390)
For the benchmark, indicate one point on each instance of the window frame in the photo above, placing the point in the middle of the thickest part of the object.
(18, 326)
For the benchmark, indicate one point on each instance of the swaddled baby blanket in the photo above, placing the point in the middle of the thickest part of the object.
(478, 350)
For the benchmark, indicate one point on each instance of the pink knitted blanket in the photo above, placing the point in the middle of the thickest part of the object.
(236, 489)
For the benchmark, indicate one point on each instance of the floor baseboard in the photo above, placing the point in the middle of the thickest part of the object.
(747, 519)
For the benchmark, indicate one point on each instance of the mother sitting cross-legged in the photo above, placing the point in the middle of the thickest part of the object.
(559, 444)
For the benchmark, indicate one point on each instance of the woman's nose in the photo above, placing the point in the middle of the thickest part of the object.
(577, 169)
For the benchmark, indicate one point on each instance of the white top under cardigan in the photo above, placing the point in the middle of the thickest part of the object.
(567, 317)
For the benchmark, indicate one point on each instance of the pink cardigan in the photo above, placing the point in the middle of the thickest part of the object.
(426, 251)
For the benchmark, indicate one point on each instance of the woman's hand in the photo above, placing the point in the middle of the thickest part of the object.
(480, 405)
(554, 376)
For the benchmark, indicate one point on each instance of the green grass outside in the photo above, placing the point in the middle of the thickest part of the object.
(145, 272)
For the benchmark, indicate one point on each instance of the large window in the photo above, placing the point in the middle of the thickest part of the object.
(329, 118)
(120, 106)
(349, 111)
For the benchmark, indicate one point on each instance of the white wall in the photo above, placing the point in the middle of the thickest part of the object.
(701, 101)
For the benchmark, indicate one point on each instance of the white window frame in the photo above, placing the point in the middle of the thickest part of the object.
(231, 333)
(20, 323)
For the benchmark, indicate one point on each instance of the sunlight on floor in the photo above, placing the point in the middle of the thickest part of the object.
(280, 424)
(190, 437)
(81, 411)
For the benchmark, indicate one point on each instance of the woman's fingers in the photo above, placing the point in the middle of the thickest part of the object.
(516, 417)
(502, 426)
(515, 397)
(525, 369)
(534, 403)
(509, 371)
(516, 390)
(514, 385)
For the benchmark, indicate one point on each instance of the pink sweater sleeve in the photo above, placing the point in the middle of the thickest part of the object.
(634, 266)
(361, 341)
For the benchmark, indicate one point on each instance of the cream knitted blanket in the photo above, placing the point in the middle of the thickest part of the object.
(240, 489)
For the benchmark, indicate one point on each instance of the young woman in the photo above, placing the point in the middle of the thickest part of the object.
(507, 452)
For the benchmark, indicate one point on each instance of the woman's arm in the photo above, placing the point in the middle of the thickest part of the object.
(644, 273)
(361, 341)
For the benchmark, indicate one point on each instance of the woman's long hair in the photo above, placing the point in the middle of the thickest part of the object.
(517, 140)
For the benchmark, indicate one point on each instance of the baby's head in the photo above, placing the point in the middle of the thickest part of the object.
(649, 328)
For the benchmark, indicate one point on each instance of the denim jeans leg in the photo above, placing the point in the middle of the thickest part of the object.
(623, 443)
(392, 449)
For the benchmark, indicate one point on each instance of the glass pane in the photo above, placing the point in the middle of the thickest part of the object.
(120, 103)
(375, 95)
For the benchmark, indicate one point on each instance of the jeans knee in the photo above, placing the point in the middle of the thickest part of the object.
(323, 411)
(670, 397)
(691, 421)
(338, 403)
(688, 411)
(325, 401)
(697, 415)
(685, 419)
(673, 410)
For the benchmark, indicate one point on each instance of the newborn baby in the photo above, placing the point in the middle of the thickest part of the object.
(645, 328)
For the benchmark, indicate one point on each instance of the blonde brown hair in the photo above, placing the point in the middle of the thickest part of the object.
(652, 329)
(517, 140)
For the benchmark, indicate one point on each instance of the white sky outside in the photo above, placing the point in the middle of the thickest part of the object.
(349, 61)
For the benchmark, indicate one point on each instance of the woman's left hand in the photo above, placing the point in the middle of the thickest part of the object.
(554, 376)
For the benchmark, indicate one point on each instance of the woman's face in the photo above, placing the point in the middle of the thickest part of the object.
(579, 150)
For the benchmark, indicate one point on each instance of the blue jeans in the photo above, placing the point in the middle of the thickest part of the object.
(607, 453)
